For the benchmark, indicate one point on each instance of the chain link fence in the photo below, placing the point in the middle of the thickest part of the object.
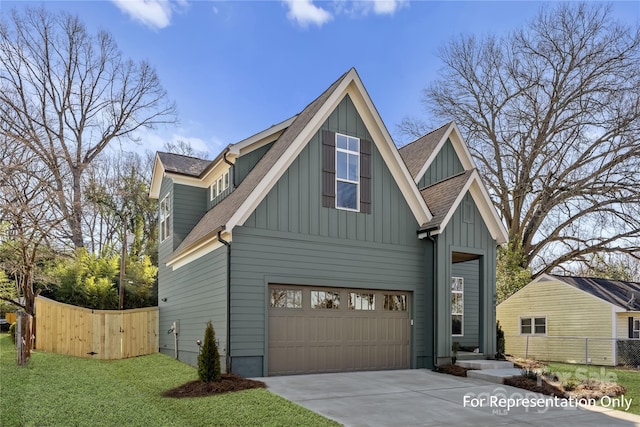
(578, 350)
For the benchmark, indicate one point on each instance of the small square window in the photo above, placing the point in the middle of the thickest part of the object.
(525, 326)
(533, 326)
(636, 328)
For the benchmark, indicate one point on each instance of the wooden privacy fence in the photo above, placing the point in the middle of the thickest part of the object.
(10, 317)
(98, 334)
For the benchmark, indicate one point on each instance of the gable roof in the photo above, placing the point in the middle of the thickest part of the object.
(617, 292)
(240, 203)
(416, 153)
(183, 165)
(419, 154)
(444, 197)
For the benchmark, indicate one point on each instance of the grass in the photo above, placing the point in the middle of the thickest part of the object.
(57, 390)
(628, 378)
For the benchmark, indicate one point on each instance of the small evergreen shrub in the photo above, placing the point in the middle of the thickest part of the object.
(12, 332)
(500, 341)
(209, 357)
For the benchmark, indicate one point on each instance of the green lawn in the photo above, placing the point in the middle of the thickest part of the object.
(56, 390)
(630, 379)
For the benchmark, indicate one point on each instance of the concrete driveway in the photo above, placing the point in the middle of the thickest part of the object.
(425, 398)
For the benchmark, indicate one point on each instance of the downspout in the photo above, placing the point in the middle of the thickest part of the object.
(233, 171)
(228, 352)
(434, 240)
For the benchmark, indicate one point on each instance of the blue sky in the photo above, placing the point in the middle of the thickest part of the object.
(235, 68)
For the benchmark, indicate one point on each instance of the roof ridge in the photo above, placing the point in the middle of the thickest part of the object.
(592, 278)
(183, 155)
(426, 134)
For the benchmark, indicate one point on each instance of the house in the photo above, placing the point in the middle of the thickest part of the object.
(317, 246)
(572, 319)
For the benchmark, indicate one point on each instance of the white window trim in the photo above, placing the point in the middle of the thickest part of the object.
(533, 325)
(219, 185)
(357, 153)
(461, 334)
(636, 328)
(165, 215)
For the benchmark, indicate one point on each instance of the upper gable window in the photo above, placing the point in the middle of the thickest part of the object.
(347, 172)
(165, 214)
(219, 185)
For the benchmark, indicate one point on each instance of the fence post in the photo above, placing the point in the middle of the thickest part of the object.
(526, 351)
(586, 351)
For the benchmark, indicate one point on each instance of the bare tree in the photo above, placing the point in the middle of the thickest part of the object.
(30, 223)
(552, 117)
(66, 95)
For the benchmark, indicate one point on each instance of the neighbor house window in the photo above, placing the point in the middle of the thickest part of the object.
(286, 298)
(457, 305)
(347, 172)
(219, 185)
(165, 214)
(395, 303)
(358, 301)
(533, 325)
(636, 328)
(324, 299)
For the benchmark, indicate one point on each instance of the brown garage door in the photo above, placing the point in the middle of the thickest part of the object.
(317, 329)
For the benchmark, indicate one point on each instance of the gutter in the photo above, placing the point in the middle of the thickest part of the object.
(434, 240)
(233, 168)
(228, 352)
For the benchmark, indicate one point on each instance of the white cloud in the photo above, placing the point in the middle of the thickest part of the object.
(155, 14)
(387, 7)
(304, 13)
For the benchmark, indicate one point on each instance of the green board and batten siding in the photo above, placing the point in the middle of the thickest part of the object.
(245, 163)
(467, 234)
(196, 293)
(445, 165)
(290, 238)
(469, 271)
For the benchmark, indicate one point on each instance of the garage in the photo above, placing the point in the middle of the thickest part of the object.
(320, 329)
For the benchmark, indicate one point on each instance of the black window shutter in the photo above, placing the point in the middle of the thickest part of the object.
(365, 176)
(328, 169)
(630, 327)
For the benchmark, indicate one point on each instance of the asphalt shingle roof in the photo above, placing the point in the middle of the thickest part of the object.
(183, 165)
(616, 292)
(441, 196)
(416, 153)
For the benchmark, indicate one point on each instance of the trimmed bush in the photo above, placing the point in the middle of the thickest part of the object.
(499, 341)
(209, 357)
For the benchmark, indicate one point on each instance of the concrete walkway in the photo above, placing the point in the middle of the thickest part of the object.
(425, 398)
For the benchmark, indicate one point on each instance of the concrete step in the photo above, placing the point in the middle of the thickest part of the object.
(494, 375)
(467, 355)
(484, 364)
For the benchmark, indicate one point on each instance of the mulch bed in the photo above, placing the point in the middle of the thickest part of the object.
(590, 389)
(458, 371)
(533, 385)
(228, 383)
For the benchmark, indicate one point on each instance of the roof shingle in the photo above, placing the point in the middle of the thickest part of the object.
(441, 196)
(183, 165)
(616, 292)
(416, 153)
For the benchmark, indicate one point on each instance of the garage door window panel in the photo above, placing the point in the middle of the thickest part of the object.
(325, 299)
(286, 298)
(362, 301)
(395, 302)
